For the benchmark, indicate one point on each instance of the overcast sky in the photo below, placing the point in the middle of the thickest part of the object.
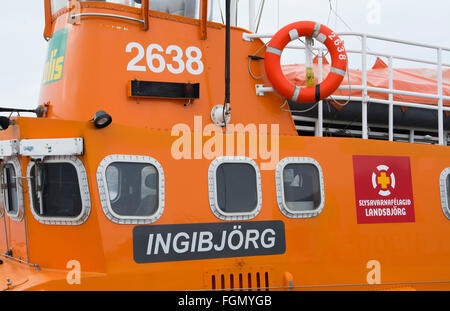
(23, 49)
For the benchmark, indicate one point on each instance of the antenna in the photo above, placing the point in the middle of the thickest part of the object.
(221, 114)
(226, 106)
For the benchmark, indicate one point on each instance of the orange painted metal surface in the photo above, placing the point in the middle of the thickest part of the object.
(326, 252)
(331, 249)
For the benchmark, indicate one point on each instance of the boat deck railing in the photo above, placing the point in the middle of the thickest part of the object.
(364, 53)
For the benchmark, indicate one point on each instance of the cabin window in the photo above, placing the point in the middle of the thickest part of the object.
(133, 3)
(12, 194)
(234, 188)
(444, 183)
(187, 8)
(59, 191)
(57, 5)
(131, 188)
(300, 191)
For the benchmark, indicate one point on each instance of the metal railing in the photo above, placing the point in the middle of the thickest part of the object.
(365, 99)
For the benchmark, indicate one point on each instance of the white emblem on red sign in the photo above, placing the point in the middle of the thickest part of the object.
(383, 181)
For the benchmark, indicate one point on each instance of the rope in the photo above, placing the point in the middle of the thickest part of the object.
(250, 61)
(297, 111)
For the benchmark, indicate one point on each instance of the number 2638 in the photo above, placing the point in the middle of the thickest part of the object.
(156, 61)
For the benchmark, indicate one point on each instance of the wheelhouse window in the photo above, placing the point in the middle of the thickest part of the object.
(133, 3)
(133, 188)
(300, 191)
(59, 193)
(234, 188)
(187, 8)
(444, 183)
(12, 190)
(57, 5)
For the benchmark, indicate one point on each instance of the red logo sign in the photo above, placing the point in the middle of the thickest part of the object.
(383, 189)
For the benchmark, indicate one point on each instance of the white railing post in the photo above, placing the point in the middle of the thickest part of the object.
(391, 99)
(252, 15)
(441, 101)
(319, 124)
(365, 134)
(411, 136)
(233, 8)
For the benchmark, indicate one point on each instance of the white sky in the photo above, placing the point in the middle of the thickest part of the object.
(23, 49)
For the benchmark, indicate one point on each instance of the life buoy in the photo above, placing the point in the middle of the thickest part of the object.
(322, 34)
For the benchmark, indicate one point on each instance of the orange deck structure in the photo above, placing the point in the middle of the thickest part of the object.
(330, 249)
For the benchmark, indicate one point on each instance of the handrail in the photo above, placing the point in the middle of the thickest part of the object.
(250, 36)
(48, 19)
(143, 14)
(73, 16)
(365, 99)
(48, 29)
(36, 266)
(399, 57)
(392, 91)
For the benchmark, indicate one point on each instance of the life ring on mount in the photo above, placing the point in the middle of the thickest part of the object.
(322, 34)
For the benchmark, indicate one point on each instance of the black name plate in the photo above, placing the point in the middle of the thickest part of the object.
(207, 240)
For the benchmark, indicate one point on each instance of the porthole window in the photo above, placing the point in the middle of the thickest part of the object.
(234, 188)
(300, 191)
(444, 184)
(12, 193)
(131, 189)
(59, 191)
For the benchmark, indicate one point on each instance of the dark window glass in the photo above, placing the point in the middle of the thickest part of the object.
(133, 188)
(448, 190)
(301, 187)
(56, 192)
(237, 190)
(11, 189)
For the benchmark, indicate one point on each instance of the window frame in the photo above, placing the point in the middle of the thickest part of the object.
(84, 192)
(119, 187)
(443, 190)
(104, 192)
(280, 188)
(14, 161)
(212, 187)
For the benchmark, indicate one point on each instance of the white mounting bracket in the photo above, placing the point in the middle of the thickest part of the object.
(9, 148)
(246, 38)
(38, 148)
(261, 90)
(365, 98)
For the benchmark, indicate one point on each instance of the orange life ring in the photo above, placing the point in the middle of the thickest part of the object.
(305, 94)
